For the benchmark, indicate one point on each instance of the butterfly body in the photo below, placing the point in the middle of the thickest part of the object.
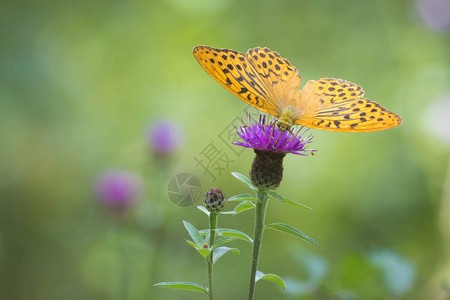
(268, 82)
(286, 119)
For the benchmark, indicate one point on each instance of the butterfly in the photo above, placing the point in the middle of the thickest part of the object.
(268, 82)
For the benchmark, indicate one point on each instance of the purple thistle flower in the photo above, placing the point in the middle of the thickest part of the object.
(118, 190)
(165, 137)
(436, 118)
(266, 136)
(435, 13)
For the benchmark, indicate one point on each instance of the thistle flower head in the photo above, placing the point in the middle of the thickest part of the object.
(435, 13)
(266, 136)
(270, 145)
(118, 190)
(165, 137)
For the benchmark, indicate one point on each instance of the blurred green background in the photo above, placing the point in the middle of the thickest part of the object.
(82, 81)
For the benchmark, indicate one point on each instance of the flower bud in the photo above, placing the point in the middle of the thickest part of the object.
(214, 200)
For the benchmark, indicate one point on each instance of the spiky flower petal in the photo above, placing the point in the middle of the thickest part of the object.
(266, 136)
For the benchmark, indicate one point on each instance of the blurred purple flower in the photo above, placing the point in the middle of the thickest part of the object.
(165, 137)
(265, 136)
(435, 13)
(436, 118)
(118, 190)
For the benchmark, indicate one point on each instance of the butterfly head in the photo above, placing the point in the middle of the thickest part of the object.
(286, 119)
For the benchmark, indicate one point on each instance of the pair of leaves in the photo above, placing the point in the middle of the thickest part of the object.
(271, 193)
(229, 233)
(243, 206)
(199, 242)
(276, 226)
(198, 287)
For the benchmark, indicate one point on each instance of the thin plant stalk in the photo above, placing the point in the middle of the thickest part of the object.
(260, 214)
(123, 261)
(212, 234)
(124, 274)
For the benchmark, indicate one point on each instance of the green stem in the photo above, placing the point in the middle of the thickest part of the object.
(124, 274)
(260, 214)
(123, 260)
(212, 235)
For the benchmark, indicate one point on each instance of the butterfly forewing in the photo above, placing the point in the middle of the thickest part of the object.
(236, 73)
(280, 77)
(339, 106)
(271, 66)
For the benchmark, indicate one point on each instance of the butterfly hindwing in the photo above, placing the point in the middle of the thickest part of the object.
(236, 73)
(338, 105)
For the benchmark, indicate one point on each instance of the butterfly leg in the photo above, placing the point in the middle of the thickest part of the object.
(278, 139)
(293, 136)
(271, 135)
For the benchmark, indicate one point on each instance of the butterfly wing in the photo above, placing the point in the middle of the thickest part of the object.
(279, 76)
(271, 66)
(338, 105)
(237, 74)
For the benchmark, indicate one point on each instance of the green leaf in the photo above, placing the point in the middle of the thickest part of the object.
(184, 286)
(195, 234)
(204, 232)
(244, 180)
(242, 197)
(192, 244)
(290, 230)
(222, 241)
(270, 277)
(203, 209)
(292, 202)
(234, 233)
(205, 252)
(243, 206)
(220, 251)
(227, 232)
(274, 194)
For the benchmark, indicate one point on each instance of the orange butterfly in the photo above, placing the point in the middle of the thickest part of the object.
(268, 82)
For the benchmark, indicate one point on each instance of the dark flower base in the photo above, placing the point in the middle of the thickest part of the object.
(267, 169)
